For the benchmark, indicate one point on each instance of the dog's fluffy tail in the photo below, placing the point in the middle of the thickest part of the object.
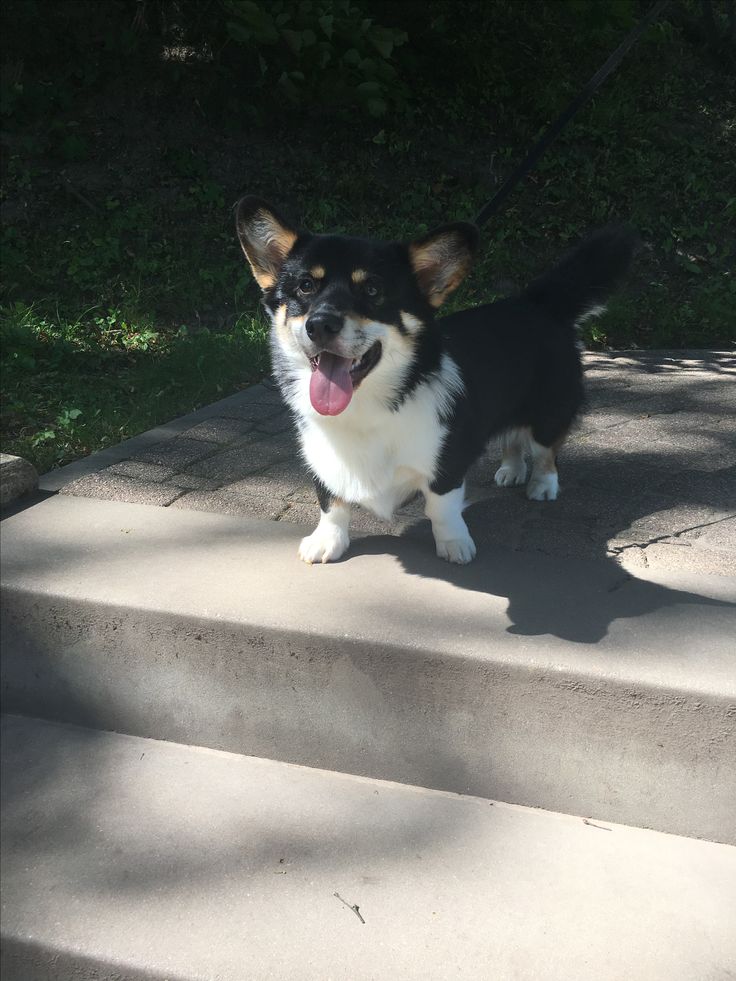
(580, 285)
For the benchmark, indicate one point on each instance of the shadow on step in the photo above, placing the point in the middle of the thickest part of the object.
(162, 818)
(575, 600)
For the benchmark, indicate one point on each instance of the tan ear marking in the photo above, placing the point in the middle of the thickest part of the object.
(442, 259)
(264, 280)
(265, 239)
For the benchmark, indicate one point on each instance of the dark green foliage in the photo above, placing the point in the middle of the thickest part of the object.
(325, 52)
(131, 128)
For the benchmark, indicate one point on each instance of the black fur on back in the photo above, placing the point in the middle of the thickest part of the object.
(519, 358)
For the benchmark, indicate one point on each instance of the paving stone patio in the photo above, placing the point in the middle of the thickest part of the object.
(649, 474)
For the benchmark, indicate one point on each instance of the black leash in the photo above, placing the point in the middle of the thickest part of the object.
(564, 118)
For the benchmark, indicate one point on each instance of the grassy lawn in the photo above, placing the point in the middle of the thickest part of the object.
(71, 387)
(126, 301)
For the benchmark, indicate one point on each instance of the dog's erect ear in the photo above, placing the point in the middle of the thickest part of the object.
(442, 259)
(265, 237)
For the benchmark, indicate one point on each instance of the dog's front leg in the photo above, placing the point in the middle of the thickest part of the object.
(451, 534)
(330, 539)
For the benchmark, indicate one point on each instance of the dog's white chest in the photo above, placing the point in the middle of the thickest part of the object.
(376, 461)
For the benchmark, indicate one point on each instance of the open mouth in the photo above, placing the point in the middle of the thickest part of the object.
(334, 379)
(359, 367)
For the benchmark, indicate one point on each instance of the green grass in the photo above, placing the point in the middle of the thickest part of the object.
(71, 387)
(126, 300)
(114, 322)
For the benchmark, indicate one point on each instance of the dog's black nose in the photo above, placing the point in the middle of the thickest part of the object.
(321, 327)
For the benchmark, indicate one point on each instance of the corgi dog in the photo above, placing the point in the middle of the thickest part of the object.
(389, 399)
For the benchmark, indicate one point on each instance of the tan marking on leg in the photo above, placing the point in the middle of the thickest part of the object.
(517, 436)
(513, 443)
(512, 471)
(544, 459)
(543, 483)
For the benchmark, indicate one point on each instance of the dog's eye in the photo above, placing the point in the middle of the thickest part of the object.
(371, 288)
(306, 286)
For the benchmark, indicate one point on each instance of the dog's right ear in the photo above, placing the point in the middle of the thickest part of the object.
(265, 238)
(442, 259)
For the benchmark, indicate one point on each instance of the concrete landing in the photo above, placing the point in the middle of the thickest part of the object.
(136, 859)
(561, 683)
(648, 477)
(583, 664)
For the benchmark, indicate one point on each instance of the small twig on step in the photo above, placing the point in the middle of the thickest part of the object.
(355, 909)
(592, 824)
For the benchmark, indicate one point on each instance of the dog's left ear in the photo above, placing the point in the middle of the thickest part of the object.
(265, 237)
(442, 259)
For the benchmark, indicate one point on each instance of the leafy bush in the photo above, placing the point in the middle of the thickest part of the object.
(326, 52)
(125, 146)
(330, 53)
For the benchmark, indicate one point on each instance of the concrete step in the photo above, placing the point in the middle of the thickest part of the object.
(132, 858)
(563, 684)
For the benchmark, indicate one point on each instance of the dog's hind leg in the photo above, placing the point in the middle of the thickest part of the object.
(330, 539)
(512, 471)
(544, 483)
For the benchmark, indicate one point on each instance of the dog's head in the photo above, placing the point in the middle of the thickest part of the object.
(349, 312)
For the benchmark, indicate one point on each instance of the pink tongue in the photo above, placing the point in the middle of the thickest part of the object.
(331, 387)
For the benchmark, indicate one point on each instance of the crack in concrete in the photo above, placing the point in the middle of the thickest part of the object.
(618, 549)
(283, 511)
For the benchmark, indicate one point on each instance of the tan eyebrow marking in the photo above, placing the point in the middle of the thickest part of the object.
(359, 276)
(317, 272)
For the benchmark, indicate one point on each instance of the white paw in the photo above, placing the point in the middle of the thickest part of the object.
(458, 550)
(325, 544)
(511, 474)
(543, 487)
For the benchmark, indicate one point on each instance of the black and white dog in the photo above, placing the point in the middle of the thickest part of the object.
(389, 400)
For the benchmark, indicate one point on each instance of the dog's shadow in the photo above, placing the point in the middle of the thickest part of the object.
(651, 471)
(574, 591)
(573, 599)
